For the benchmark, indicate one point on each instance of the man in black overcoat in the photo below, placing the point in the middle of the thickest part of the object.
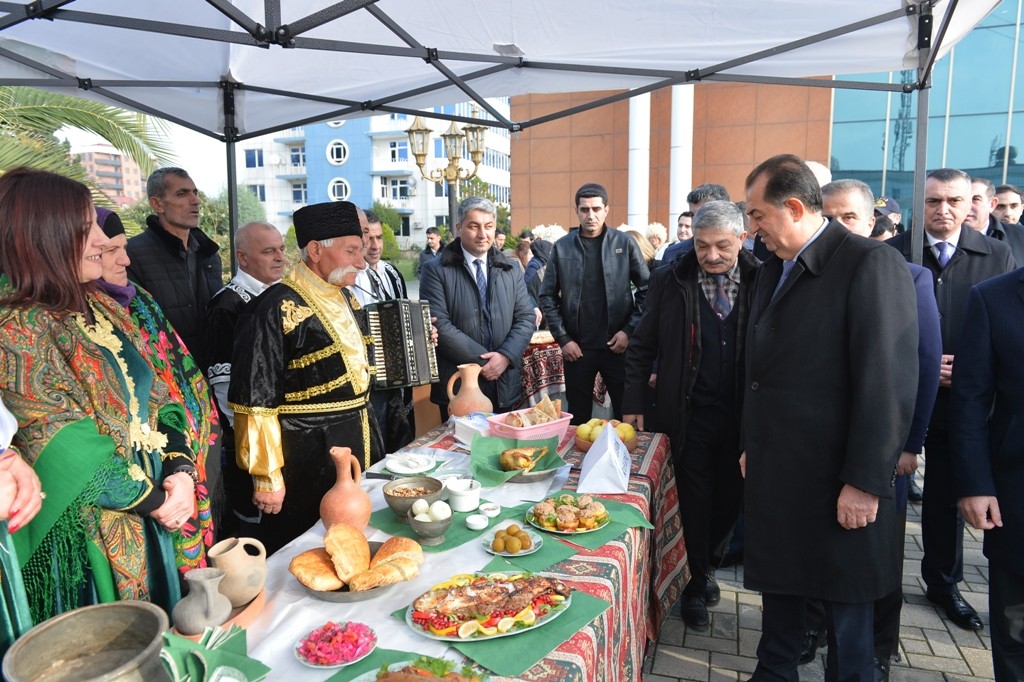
(825, 417)
(694, 323)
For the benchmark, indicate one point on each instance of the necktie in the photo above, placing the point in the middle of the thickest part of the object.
(481, 288)
(721, 304)
(945, 252)
(787, 265)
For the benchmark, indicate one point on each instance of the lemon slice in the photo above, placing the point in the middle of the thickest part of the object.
(505, 624)
(488, 631)
(460, 580)
(497, 576)
(468, 628)
(526, 616)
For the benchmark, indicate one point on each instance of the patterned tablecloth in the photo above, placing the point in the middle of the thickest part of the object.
(642, 572)
(543, 373)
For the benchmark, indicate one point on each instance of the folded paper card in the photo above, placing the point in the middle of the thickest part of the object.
(606, 466)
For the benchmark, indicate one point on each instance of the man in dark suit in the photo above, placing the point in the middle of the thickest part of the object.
(697, 197)
(982, 217)
(988, 452)
(958, 258)
(706, 295)
(825, 416)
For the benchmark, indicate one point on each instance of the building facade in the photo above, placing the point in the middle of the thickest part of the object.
(364, 160)
(115, 174)
(718, 132)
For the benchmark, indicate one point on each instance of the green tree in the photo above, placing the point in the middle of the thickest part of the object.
(30, 119)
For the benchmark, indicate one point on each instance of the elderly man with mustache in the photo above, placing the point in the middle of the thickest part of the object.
(694, 322)
(300, 378)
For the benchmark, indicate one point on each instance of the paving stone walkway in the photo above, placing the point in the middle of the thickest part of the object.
(932, 649)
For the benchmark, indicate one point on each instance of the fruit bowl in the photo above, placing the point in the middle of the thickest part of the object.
(585, 445)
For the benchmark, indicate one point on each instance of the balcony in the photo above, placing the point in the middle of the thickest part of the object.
(290, 171)
(291, 135)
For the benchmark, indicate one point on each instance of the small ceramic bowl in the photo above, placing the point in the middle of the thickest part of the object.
(463, 494)
(400, 504)
(490, 509)
(476, 521)
(430, 532)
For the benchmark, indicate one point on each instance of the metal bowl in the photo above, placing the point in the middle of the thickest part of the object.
(119, 641)
(401, 504)
(430, 532)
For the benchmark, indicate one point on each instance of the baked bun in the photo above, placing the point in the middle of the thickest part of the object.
(397, 570)
(398, 547)
(349, 550)
(315, 570)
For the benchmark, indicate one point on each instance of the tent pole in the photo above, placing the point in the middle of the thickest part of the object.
(230, 135)
(924, 45)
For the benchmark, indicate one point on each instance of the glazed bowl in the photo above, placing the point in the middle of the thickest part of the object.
(430, 532)
(421, 487)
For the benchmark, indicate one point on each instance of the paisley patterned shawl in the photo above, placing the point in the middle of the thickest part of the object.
(172, 362)
(53, 376)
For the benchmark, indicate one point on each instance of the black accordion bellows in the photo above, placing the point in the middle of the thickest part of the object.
(402, 351)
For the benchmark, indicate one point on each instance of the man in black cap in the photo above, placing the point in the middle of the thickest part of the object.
(300, 378)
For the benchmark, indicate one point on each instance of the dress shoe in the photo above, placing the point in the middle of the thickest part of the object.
(915, 494)
(712, 592)
(957, 609)
(881, 671)
(695, 613)
(813, 640)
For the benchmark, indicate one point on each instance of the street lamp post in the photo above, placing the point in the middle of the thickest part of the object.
(453, 138)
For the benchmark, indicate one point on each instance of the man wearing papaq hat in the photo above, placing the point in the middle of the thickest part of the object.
(300, 379)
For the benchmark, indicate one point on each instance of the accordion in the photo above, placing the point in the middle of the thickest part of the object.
(402, 351)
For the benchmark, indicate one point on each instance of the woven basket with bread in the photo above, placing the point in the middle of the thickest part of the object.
(345, 560)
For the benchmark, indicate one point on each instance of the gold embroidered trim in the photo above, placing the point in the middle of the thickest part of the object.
(261, 411)
(172, 455)
(309, 408)
(312, 391)
(293, 315)
(141, 435)
(314, 357)
(136, 473)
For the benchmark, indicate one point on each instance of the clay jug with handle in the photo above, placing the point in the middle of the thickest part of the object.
(346, 502)
(244, 572)
(469, 398)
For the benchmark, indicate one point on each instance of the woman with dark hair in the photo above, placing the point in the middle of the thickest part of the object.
(93, 419)
(171, 361)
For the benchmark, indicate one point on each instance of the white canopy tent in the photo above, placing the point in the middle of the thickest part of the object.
(235, 69)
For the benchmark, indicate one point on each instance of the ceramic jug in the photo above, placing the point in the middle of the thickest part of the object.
(469, 398)
(244, 572)
(346, 502)
(204, 605)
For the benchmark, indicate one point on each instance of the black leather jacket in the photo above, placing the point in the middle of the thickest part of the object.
(562, 288)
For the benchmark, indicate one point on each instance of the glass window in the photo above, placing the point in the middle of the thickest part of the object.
(338, 189)
(405, 226)
(981, 71)
(976, 143)
(439, 149)
(298, 156)
(399, 150)
(335, 124)
(254, 158)
(398, 188)
(299, 194)
(260, 191)
(441, 189)
(337, 152)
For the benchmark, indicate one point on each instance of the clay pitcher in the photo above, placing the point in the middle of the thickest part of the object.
(244, 572)
(346, 502)
(204, 605)
(469, 398)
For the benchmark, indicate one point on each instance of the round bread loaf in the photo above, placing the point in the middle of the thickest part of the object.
(398, 547)
(349, 550)
(315, 570)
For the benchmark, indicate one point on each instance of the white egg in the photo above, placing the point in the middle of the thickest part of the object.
(439, 511)
(424, 518)
(420, 506)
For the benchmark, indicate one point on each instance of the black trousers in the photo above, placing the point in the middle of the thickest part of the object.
(1006, 615)
(850, 649)
(579, 382)
(942, 526)
(710, 489)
